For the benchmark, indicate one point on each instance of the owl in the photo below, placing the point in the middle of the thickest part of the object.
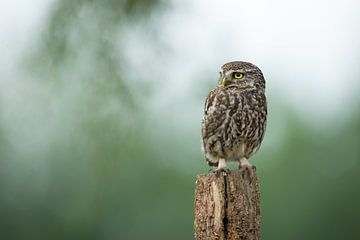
(234, 118)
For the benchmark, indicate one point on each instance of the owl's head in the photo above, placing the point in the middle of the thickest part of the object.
(241, 74)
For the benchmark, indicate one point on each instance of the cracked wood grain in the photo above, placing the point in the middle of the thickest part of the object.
(227, 207)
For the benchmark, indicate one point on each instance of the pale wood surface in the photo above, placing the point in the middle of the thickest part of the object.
(227, 207)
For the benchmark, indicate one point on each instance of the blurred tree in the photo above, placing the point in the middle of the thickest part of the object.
(309, 193)
(99, 180)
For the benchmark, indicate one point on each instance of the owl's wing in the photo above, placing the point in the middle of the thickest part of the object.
(213, 114)
(209, 100)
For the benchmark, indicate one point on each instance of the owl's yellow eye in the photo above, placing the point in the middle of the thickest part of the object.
(238, 75)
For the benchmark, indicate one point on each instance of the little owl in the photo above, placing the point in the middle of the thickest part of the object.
(234, 118)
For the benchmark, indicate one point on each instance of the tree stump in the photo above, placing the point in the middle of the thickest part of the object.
(227, 207)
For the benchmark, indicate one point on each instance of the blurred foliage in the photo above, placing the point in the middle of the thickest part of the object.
(103, 173)
(312, 191)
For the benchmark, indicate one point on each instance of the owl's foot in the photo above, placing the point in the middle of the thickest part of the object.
(221, 171)
(221, 168)
(247, 170)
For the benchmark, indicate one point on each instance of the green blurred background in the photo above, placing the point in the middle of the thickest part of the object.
(101, 103)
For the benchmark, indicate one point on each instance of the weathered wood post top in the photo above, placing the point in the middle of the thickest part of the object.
(227, 207)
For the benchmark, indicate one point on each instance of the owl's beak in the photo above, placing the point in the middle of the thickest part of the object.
(222, 83)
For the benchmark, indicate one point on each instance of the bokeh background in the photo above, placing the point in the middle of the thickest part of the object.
(101, 103)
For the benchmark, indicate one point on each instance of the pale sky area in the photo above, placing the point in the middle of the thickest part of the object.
(308, 50)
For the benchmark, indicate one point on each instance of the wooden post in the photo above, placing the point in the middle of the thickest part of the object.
(227, 207)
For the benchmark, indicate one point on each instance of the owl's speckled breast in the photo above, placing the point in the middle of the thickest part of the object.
(233, 124)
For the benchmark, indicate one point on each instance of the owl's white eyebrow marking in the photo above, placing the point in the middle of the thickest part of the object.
(230, 72)
(237, 70)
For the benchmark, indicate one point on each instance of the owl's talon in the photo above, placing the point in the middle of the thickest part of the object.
(221, 168)
(221, 172)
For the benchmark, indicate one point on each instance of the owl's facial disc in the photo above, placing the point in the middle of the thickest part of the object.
(230, 78)
(222, 82)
